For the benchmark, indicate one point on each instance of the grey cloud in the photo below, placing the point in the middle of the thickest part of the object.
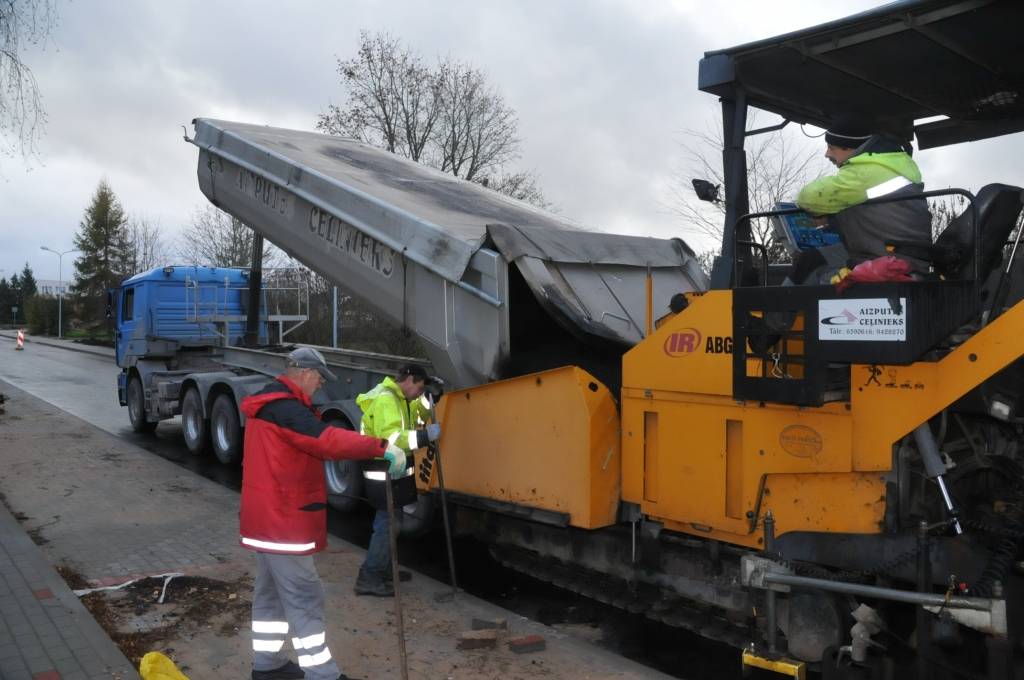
(602, 89)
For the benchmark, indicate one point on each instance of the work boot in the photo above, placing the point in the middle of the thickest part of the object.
(289, 671)
(375, 587)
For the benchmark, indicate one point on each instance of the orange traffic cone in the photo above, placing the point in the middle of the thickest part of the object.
(20, 344)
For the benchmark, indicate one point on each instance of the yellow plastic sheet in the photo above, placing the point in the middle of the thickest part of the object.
(156, 666)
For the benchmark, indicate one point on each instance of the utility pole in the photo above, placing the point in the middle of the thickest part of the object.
(60, 286)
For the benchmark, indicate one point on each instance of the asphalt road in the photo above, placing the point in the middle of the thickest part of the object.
(85, 385)
(82, 384)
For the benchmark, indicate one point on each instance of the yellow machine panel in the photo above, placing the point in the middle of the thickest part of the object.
(706, 464)
(682, 356)
(548, 440)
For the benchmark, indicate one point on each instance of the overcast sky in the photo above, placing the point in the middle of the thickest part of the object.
(603, 89)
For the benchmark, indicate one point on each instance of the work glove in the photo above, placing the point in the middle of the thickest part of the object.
(396, 459)
(434, 431)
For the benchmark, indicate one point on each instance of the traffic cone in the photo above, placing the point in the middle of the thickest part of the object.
(20, 344)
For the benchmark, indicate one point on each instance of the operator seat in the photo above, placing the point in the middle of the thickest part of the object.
(952, 255)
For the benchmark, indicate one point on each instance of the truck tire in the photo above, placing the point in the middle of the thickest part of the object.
(137, 406)
(193, 423)
(344, 477)
(225, 430)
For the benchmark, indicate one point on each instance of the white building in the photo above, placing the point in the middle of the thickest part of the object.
(52, 287)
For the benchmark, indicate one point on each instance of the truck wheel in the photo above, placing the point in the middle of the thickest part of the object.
(418, 518)
(225, 430)
(193, 423)
(344, 477)
(137, 406)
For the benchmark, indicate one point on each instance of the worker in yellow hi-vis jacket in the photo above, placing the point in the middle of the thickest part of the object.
(393, 410)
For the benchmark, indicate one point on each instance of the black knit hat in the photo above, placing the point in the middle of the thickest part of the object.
(415, 370)
(849, 131)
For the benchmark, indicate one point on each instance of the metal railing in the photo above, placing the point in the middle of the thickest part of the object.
(223, 304)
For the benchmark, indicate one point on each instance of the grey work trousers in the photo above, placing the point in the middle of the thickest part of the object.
(288, 602)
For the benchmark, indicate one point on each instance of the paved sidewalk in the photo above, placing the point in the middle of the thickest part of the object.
(63, 344)
(45, 632)
(112, 511)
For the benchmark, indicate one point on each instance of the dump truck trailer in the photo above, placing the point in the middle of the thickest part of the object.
(851, 503)
(475, 275)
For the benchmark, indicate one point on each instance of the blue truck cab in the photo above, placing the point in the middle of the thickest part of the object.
(173, 325)
(170, 309)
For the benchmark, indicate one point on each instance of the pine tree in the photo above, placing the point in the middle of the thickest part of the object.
(28, 283)
(101, 266)
(7, 299)
(14, 300)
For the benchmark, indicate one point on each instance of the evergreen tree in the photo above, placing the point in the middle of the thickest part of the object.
(102, 263)
(28, 283)
(13, 300)
(7, 299)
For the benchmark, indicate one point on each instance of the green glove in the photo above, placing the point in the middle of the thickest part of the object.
(396, 457)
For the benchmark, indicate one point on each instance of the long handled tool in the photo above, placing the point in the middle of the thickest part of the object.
(389, 497)
(436, 449)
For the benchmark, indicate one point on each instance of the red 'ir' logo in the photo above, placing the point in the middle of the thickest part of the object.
(682, 343)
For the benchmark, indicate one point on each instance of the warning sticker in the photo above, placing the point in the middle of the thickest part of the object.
(863, 319)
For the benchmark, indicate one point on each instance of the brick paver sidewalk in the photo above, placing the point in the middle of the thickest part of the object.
(45, 632)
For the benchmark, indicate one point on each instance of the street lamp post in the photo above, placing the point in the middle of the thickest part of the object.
(60, 286)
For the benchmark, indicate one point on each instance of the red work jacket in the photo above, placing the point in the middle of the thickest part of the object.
(284, 495)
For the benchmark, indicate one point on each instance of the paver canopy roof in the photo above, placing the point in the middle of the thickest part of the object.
(899, 63)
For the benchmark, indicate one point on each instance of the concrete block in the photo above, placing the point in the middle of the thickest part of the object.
(489, 624)
(478, 639)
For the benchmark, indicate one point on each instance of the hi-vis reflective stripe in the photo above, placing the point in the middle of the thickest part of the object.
(267, 645)
(413, 439)
(393, 438)
(889, 186)
(309, 642)
(307, 660)
(380, 476)
(283, 547)
(280, 627)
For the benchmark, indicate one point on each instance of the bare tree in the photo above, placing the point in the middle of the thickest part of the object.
(146, 247)
(777, 168)
(476, 133)
(217, 239)
(392, 98)
(447, 117)
(519, 185)
(21, 109)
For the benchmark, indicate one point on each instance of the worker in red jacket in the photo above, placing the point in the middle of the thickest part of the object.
(284, 515)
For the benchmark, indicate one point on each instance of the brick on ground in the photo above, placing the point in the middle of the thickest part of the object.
(489, 624)
(478, 639)
(528, 644)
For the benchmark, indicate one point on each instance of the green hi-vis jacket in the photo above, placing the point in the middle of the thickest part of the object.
(386, 412)
(865, 229)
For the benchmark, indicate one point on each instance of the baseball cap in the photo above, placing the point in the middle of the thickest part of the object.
(307, 357)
